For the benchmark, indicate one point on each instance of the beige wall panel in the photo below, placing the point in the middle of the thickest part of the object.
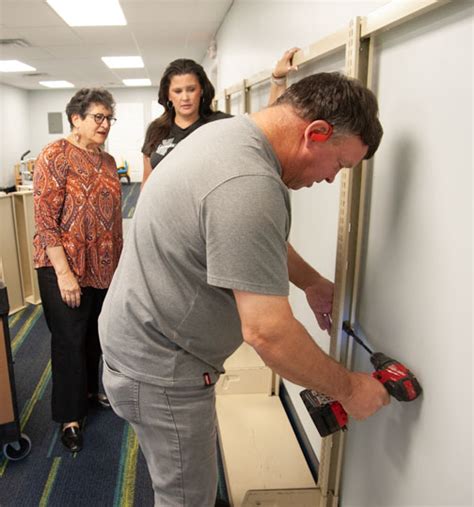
(245, 373)
(259, 448)
(23, 205)
(9, 255)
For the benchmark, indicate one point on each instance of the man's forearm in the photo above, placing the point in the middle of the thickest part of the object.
(300, 272)
(287, 348)
(276, 89)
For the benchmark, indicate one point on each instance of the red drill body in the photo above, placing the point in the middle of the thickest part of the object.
(329, 416)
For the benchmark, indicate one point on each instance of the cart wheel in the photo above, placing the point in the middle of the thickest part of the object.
(19, 449)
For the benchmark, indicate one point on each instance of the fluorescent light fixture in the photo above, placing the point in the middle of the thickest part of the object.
(57, 84)
(89, 12)
(123, 62)
(136, 82)
(14, 66)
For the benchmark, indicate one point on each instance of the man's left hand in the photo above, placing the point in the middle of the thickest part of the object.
(320, 296)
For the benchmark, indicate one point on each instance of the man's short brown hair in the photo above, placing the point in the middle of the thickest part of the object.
(345, 103)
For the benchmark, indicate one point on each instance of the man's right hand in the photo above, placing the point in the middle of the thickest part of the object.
(368, 396)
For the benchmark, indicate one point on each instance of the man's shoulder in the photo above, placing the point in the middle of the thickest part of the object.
(218, 115)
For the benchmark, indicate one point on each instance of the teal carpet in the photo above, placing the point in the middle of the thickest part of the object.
(130, 193)
(109, 471)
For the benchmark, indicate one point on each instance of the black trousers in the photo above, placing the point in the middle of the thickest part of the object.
(75, 346)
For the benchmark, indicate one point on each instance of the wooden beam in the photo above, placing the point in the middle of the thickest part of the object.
(395, 13)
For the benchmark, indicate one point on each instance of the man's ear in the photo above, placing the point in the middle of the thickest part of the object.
(319, 131)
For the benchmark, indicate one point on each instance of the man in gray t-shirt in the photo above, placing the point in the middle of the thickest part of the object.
(206, 265)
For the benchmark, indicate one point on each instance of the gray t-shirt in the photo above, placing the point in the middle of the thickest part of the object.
(214, 217)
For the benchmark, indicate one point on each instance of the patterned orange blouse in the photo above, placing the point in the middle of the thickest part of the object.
(77, 203)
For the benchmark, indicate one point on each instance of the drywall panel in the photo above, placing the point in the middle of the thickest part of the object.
(126, 138)
(416, 293)
(255, 34)
(252, 37)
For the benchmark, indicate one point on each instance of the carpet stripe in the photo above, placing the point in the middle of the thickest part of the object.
(25, 329)
(53, 442)
(50, 482)
(16, 317)
(125, 489)
(127, 197)
(29, 406)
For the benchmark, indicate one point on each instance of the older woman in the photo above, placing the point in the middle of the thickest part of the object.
(77, 244)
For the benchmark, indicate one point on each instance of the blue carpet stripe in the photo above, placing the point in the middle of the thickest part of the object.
(30, 405)
(109, 471)
(17, 319)
(28, 408)
(13, 319)
(53, 442)
(25, 329)
(123, 452)
(125, 487)
(130, 195)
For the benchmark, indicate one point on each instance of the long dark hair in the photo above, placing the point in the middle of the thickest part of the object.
(160, 128)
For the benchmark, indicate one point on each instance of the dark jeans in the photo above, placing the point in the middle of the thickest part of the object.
(75, 347)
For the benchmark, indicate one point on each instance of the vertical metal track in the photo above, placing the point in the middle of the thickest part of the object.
(332, 447)
(246, 96)
(227, 101)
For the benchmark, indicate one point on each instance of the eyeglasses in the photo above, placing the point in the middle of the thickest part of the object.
(99, 118)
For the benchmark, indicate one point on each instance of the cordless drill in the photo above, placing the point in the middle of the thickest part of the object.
(329, 416)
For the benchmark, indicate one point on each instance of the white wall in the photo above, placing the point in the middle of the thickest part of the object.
(253, 36)
(42, 102)
(416, 299)
(14, 131)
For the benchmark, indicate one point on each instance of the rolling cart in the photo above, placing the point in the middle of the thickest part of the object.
(15, 445)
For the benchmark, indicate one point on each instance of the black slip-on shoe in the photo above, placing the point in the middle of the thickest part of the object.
(71, 438)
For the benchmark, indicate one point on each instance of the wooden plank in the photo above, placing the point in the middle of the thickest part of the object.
(395, 13)
(9, 255)
(283, 498)
(259, 448)
(322, 48)
(245, 373)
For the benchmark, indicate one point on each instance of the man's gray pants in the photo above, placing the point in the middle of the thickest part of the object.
(176, 430)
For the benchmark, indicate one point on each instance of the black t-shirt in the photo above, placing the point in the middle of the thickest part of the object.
(177, 134)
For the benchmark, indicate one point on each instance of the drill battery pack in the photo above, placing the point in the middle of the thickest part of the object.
(326, 413)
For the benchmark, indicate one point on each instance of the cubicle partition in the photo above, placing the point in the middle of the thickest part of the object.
(357, 43)
(16, 249)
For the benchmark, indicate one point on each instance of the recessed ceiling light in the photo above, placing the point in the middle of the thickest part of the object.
(89, 12)
(57, 84)
(123, 62)
(136, 82)
(14, 66)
